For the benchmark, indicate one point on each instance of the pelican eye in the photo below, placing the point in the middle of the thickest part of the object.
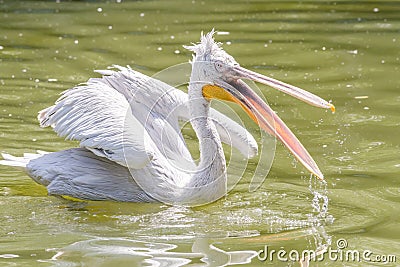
(219, 66)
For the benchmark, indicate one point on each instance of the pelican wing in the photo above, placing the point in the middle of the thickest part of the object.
(156, 105)
(172, 104)
(95, 114)
(128, 117)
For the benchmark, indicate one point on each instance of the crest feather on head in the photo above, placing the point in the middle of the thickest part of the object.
(206, 47)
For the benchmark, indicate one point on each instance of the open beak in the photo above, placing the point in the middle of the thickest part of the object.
(262, 114)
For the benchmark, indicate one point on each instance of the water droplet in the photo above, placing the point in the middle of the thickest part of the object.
(9, 256)
(99, 9)
(177, 52)
(376, 9)
(223, 33)
(142, 14)
(76, 42)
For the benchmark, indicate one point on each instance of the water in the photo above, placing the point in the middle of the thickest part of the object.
(344, 51)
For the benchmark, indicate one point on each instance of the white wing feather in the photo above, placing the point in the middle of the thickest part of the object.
(95, 114)
(172, 104)
(125, 116)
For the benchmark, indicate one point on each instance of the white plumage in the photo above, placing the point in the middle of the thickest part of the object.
(131, 146)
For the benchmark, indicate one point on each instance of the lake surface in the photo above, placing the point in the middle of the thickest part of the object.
(344, 51)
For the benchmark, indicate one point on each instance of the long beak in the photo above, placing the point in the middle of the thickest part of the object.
(263, 115)
(294, 91)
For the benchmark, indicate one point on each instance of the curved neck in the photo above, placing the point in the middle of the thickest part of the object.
(212, 165)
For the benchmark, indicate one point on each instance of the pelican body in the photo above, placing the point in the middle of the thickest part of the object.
(131, 145)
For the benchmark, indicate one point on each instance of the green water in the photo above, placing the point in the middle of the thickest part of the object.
(344, 51)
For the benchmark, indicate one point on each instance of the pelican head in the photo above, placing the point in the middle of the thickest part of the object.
(221, 78)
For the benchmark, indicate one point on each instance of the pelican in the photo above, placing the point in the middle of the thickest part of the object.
(131, 146)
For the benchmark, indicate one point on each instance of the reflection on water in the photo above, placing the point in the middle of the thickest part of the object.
(101, 233)
(345, 51)
(128, 252)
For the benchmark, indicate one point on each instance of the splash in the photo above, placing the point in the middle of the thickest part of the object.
(320, 216)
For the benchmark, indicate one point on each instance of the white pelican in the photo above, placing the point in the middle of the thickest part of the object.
(131, 147)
